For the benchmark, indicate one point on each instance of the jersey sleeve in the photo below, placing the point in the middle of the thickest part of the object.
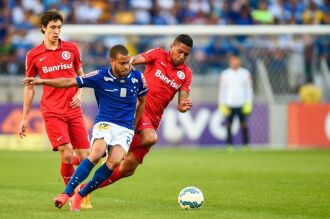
(88, 80)
(143, 86)
(77, 59)
(187, 82)
(152, 54)
(30, 67)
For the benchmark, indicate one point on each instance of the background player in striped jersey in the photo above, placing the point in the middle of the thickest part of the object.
(117, 90)
(235, 97)
(60, 108)
(166, 74)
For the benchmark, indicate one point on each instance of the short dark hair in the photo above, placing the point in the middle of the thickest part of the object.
(48, 16)
(118, 49)
(185, 39)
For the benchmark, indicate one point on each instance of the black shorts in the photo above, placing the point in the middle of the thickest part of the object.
(236, 111)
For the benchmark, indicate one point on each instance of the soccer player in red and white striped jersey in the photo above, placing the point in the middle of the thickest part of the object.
(60, 107)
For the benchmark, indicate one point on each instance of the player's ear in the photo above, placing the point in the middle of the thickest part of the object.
(43, 29)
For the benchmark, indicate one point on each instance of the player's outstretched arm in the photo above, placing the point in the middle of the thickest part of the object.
(184, 102)
(77, 98)
(137, 60)
(57, 82)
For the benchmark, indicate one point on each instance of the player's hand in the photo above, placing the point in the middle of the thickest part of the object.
(32, 81)
(224, 110)
(131, 67)
(22, 128)
(247, 108)
(185, 105)
(76, 101)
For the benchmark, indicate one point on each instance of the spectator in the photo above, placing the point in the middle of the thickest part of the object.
(312, 14)
(262, 15)
(276, 8)
(293, 10)
(244, 17)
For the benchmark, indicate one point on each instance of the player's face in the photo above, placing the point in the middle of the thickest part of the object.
(179, 53)
(234, 62)
(120, 65)
(52, 31)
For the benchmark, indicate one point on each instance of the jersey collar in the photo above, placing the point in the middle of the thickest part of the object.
(114, 77)
(58, 48)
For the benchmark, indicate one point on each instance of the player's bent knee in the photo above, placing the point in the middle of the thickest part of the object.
(66, 155)
(127, 171)
(150, 140)
(83, 153)
(128, 166)
(94, 158)
(112, 164)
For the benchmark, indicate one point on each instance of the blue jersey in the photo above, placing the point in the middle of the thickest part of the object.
(116, 97)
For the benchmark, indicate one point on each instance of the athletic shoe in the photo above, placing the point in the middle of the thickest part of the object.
(86, 204)
(77, 199)
(61, 200)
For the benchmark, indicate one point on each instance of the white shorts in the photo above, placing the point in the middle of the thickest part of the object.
(112, 134)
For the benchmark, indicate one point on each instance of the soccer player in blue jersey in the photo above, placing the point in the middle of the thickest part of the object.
(120, 95)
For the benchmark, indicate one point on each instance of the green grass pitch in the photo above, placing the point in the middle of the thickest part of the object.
(255, 184)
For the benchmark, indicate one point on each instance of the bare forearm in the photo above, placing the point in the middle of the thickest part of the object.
(60, 82)
(28, 95)
(138, 59)
(184, 102)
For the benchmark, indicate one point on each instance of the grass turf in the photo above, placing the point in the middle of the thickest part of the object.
(255, 184)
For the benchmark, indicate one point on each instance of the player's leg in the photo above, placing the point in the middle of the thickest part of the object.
(85, 167)
(139, 148)
(115, 156)
(79, 140)
(245, 130)
(229, 122)
(66, 155)
(82, 172)
(121, 138)
(57, 131)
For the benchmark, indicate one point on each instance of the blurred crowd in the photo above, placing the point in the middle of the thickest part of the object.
(19, 20)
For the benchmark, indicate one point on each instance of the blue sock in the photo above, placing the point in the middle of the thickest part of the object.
(81, 173)
(100, 175)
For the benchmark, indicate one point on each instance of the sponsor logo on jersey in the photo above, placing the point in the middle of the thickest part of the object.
(134, 80)
(111, 90)
(123, 92)
(66, 55)
(61, 66)
(181, 75)
(108, 79)
(167, 80)
(90, 74)
(102, 126)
